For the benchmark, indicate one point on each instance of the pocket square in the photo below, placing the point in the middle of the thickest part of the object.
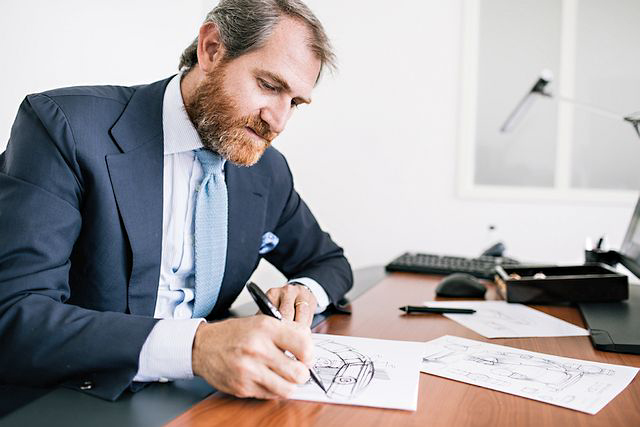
(269, 242)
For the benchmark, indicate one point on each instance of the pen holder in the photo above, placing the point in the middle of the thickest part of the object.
(611, 258)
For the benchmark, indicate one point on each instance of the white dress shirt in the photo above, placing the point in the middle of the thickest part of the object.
(166, 354)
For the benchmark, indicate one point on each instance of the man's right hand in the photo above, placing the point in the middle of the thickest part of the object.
(245, 357)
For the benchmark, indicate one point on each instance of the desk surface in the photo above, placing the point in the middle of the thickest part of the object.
(441, 401)
(153, 406)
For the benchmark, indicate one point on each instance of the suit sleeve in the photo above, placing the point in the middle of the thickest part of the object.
(43, 340)
(304, 249)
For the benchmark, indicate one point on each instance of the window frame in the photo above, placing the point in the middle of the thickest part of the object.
(561, 190)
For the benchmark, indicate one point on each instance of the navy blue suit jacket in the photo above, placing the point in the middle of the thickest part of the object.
(81, 234)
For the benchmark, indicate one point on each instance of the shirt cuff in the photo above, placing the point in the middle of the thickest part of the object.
(318, 291)
(166, 353)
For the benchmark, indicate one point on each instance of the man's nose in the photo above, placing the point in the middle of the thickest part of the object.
(276, 115)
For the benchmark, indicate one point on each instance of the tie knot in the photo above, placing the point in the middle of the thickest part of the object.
(211, 162)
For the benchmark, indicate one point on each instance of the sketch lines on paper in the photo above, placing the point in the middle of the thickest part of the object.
(344, 371)
(571, 383)
(499, 321)
(503, 368)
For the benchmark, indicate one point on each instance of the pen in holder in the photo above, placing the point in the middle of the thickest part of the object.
(611, 258)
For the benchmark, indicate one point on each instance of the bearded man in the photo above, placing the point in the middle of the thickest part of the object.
(131, 218)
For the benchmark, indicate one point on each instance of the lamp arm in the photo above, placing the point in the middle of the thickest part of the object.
(589, 107)
(539, 89)
(633, 118)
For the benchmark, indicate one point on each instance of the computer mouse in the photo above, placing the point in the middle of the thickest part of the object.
(460, 285)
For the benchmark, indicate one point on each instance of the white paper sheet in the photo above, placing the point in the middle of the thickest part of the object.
(365, 371)
(500, 319)
(571, 383)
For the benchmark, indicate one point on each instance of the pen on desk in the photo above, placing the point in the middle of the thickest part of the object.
(265, 306)
(421, 309)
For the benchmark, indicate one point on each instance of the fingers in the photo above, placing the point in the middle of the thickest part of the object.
(296, 338)
(246, 357)
(274, 295)
(294, 302)
(303, 313)
(272, 374)
(286, 367)
(276, 385)
(263, 393)
(288, 296)
(258, 381)
(276, 337)
(305, 306)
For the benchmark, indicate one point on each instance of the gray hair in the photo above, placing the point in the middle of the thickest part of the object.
(245, 25)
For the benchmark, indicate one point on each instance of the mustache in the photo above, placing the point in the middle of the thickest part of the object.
(260, 127)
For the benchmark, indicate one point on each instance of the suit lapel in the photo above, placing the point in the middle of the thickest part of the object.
(136, 177)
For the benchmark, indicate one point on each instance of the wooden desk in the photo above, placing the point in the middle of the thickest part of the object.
(441, 402)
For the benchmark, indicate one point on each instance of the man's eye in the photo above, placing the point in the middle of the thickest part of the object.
(294, 103)
(268, 86)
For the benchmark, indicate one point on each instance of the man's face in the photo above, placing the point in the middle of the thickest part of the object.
(244, 103)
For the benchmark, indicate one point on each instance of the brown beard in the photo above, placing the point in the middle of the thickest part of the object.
(211, 111)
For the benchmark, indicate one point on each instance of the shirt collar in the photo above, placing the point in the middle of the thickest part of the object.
(179, 133)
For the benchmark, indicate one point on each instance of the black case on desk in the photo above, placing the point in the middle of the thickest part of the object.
(592, 282)
(614, 326)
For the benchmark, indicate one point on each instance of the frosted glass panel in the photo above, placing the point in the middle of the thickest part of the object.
(517, 39)
(606, 153)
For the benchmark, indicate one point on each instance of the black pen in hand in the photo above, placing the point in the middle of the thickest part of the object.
(267, 308)
(422, 309)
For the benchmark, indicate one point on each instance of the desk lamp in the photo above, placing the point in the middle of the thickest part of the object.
(539, 89)
(632, 259)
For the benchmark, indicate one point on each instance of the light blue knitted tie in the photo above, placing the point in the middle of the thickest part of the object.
(210, 233)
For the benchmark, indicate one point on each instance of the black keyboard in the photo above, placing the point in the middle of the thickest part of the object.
(483, 267)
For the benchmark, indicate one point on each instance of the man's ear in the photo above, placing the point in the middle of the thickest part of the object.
(210, 49)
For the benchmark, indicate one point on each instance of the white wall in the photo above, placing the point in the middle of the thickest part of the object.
(374, 156)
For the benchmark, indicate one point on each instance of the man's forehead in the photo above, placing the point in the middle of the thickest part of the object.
(287, 55)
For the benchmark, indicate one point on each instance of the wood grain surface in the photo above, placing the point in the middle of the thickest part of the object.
(441, 402)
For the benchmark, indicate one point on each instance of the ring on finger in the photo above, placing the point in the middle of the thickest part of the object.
(301, 303)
